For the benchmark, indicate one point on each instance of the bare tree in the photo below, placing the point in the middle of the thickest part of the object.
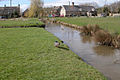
(115, 7)
(36, 8)
(91, 4)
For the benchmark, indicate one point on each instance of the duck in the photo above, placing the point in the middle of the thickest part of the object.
(62, 41)
(56, 44)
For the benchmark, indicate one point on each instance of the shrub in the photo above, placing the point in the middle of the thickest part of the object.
(103, 37)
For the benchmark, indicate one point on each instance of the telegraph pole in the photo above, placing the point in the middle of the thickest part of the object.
(69, 3)
(10, 3)
(42, 3)
(105, 3)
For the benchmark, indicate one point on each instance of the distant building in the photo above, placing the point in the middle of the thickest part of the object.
(10, 12)
(78, 10)
(25, 13)
(56, 10)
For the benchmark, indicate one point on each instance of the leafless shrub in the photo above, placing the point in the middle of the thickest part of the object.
(90, 29)
(95, 28)
(103, 37)
(84, 30)
(116, 41)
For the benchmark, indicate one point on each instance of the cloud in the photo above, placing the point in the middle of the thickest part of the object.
(66, 2)
(24, 7)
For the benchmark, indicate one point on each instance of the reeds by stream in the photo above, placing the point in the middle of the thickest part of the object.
(102, 37)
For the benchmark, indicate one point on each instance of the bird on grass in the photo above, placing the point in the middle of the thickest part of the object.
(56, 44)
(62, 41)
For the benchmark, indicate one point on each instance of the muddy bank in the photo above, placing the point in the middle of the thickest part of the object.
(63, 23)
(39, 26)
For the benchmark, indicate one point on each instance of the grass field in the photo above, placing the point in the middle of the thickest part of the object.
(20, 23)
(111, 24)
(29, 54)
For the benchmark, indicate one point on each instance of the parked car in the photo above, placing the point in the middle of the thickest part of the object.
(61, 15)
(103, 15)
(2, 17)
(56, 15)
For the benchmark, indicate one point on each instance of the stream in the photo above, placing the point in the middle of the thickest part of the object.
(105, 59)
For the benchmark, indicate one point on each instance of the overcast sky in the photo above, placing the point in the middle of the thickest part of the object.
(25, 3)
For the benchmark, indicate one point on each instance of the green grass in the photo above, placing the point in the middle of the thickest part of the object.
(29, 54)
(20, 23)
(111, 24)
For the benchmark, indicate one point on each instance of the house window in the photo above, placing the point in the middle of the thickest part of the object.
(93, 9)
(80, 9)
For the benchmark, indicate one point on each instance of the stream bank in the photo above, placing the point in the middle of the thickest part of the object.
(100, 57)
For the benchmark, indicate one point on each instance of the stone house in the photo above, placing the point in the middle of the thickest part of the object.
(9, 12)
(78, 10)
(55, 11)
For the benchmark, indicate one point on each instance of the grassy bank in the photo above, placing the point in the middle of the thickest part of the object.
(110, 23)
(29, 54)
(20, 23)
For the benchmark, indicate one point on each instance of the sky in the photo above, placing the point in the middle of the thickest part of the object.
(48, 3)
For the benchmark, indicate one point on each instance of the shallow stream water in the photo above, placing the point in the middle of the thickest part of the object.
(104, 59)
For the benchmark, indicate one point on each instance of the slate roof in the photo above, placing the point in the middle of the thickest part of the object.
(86, 8)
(71, 8)
(77, 8)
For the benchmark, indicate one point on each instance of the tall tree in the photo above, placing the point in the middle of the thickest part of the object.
(36, 8)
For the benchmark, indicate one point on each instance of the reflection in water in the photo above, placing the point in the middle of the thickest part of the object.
(117, 57)
(86, 39)
(104, 50)
(62, 27)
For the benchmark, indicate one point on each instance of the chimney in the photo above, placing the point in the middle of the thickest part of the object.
(10, 3)
(18, 5)
(5, 5)
(69, 3)
(73, 4)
